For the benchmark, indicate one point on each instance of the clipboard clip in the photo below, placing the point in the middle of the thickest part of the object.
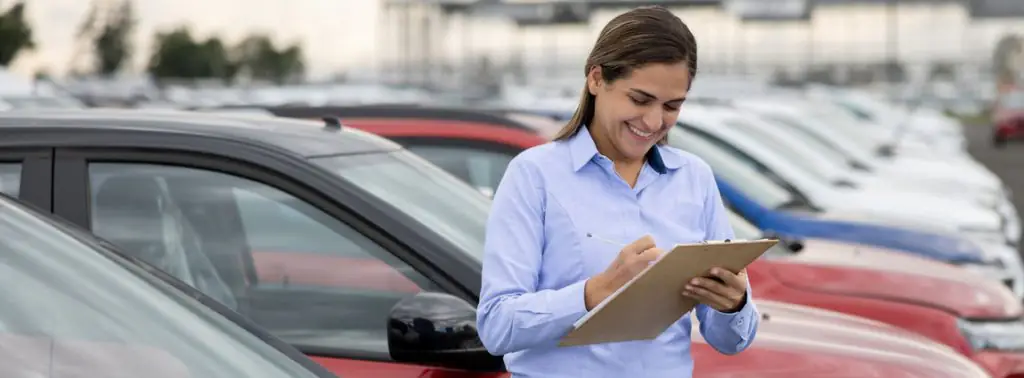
(705, 242)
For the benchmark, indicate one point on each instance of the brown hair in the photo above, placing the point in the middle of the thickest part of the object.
(644, 35)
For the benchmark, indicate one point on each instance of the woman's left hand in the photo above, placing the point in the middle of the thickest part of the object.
(729, 295)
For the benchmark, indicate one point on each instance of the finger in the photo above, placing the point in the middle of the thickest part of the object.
(709, 298)
(640, 245)
(637, 263)
(729, 278)
(712, 286)
(651, 254)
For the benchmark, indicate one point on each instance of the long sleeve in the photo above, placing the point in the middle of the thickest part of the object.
(512, 314)
(728, 333)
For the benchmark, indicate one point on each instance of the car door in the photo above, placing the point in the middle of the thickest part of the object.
(480, 163)
(321, 282)
(26, 174)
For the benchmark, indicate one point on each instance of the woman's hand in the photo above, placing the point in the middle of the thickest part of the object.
(729, 295)
(632, 260)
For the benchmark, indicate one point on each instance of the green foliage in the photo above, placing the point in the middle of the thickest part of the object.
(179, 55)
(15, 33)
(108, 31)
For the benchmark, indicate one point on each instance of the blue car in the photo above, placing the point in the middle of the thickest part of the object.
(805, 225)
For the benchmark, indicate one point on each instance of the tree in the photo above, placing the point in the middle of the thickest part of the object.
(109, 32)
(258, 58)
(15, 33)
(177, 55)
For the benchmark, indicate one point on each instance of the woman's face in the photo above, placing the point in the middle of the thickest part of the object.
(634, 112)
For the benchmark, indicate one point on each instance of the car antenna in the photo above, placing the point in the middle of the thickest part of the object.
(331, 122)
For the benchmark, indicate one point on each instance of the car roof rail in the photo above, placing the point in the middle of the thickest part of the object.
(398, 111)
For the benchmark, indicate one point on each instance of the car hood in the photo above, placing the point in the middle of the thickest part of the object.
(963, 171)
(959, 190)
(851, 269)
(912, 208)
(800, 341)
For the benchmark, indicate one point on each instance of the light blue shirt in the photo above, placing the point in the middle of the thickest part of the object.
(537, 258)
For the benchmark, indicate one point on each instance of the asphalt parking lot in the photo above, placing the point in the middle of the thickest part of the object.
(1006, 162)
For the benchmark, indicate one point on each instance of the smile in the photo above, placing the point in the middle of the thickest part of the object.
(640, 133)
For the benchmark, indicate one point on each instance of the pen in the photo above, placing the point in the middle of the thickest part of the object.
(603, 240)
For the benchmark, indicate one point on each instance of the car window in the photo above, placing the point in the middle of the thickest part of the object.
(296, 270)
(481, 168)
(429, 195)
(10, 179)
(71, 307)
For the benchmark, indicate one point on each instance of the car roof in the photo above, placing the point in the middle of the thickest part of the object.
(401, 111)
(303, 137)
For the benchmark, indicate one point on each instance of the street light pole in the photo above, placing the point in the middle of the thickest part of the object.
(892, 45)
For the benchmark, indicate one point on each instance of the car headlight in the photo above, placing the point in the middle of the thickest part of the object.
(1003, 264)
(993, 335)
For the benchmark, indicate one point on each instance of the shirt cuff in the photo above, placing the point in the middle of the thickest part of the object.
(569, 303)
(740, 321)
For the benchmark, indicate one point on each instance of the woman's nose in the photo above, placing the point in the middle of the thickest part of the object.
(653, 118)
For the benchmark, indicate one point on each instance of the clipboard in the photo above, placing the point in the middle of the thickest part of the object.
(647, 305)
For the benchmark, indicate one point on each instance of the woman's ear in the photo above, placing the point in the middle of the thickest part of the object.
(594, 80)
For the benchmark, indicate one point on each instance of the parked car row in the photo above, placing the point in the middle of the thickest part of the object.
(357, 241)
(882, 262)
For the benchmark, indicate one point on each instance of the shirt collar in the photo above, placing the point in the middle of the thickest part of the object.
(583, 150)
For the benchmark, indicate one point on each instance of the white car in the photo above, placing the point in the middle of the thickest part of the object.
(1002, 262)
(829, 189)
(786, 120)
(903, 125)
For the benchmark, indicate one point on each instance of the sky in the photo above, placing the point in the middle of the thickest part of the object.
(335, 33)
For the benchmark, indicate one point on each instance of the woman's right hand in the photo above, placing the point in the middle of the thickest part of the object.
(632, 259)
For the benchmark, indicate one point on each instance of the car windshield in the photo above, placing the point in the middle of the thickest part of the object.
(732, 169)
(796, 154)
(445, 204)
(70, 306)
(825, 149)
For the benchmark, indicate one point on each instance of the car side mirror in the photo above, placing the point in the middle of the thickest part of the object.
(438, 329)
(793, 244)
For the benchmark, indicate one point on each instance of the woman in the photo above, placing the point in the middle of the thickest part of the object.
(609, 176)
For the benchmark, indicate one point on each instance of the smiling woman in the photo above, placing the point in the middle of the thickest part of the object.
(609, 172)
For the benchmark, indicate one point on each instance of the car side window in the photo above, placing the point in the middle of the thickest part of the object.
(479, 167)
(294, 269)
(10, 179)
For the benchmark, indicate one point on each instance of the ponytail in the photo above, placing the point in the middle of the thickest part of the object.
(583, 116)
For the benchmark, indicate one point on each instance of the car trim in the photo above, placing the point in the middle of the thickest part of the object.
(36, 174)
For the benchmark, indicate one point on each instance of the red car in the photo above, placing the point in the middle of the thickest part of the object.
(345, 245)
(887, 286)
(1008, 117)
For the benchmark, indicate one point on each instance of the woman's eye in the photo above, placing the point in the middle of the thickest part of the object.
(638, 102)
(671, 108)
